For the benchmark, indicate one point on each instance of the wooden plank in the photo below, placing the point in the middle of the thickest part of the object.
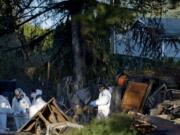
(146, 95)
(60, 117)
(51, 117)
(43, 119)
(59, 110)
(49, 113)
(29, 128)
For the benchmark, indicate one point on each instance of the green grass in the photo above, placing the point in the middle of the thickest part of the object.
(117, 124)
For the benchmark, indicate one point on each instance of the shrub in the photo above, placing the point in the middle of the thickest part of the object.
(117, 124)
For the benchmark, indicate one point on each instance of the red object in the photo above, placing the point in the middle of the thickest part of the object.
(121, 80)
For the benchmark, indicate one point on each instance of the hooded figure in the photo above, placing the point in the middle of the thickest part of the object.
(37, 102)
(103, 102)
(5, 108)
(20, 107)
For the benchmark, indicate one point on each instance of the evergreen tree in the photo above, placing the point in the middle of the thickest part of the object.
(90, 23)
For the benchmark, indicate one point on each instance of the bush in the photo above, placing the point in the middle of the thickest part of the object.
(117, 124)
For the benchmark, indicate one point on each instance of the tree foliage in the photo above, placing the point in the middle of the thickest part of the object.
(96, 20)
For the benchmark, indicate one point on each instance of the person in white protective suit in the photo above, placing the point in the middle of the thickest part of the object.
(37, 102)
(20, 107)
(103, 102)
(5, 108)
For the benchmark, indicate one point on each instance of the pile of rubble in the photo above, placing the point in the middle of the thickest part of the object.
(154, 111)
(169, 110)
(50, 120)
(152, 125)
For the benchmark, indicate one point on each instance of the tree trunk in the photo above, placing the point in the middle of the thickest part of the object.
(77, 53)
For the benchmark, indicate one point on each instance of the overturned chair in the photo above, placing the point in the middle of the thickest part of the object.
(49, 120)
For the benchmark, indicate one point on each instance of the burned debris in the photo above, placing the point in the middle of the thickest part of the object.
(149, 103)
(155, 110)
(49, 120)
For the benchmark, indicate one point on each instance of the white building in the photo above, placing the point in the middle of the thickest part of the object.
(125, 45)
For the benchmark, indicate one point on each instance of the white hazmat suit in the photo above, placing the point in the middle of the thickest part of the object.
(20, 109)
(37, 104)
(5, 108)
(103, 103)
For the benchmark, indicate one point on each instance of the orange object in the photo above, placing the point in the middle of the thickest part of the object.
(134, 96)
(121, 81)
